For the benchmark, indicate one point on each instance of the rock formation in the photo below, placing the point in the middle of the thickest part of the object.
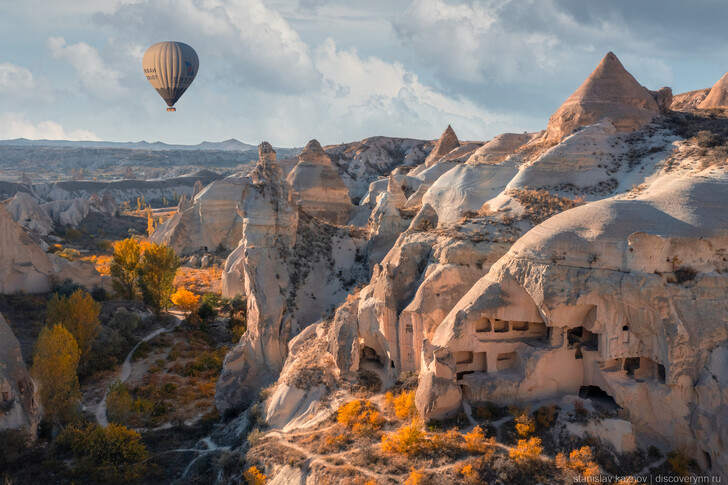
(24, 266)
(718, 95)
(207, 222)
(67, 212)
(317, 186)
(496, 150)
(609, 92)
(625, 295)
(291, 267)
(26, 211)
(18, 406)
(447, 142)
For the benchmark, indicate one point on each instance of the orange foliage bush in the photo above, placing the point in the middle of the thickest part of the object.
(360, 416)
(526, 451)
(403, 405)
(408, 440)
(580, 461)
(475, 441)
(254, 476)
(416, 477)
(525, 425)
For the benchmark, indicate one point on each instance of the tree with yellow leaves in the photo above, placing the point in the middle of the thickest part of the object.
(79, 314)
(403, 405)
(55, 361)
(525, 425)
(150, 220)
(157, 269)
(186, 300)
(124, 267)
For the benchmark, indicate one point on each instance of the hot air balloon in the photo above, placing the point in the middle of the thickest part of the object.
(170, 67)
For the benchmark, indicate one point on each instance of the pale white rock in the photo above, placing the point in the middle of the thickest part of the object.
(467, 188)
(210, 221)
(500, 147)
(26, 211)
(317, 186)
(19, 407)
(69, 212)
(589, 289)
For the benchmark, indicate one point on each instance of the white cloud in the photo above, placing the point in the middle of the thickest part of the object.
(96, 77)
(16, 125)
(239, 42)
(16, 80)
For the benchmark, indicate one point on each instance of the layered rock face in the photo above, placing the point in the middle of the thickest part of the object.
(208, 222)
(625, 295)
(718, 95)
(24, 266)
(317, 186)
(291, 267)
(609, 92)
(18, 406)
(26, 211)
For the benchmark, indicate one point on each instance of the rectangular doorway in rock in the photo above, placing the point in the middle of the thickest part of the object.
(581, 337)
(463, 357)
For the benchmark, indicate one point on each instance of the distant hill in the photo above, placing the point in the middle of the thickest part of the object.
(227, 145)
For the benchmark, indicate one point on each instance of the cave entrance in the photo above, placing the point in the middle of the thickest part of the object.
(583, 338)
(368, 354)
(599, 397)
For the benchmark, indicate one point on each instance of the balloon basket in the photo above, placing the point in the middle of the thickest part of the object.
(171, 109)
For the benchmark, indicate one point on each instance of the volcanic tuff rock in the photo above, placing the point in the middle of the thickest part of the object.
(317, 186)
(447, 142)
(718, 95)
(496, 150)
(24, 266)
(625, 294)
(609, 92)
(26, 211)
(18, 406)
(208, 221)
(291, 267)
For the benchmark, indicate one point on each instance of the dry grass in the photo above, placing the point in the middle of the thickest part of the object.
(539, 205)
(199, 281)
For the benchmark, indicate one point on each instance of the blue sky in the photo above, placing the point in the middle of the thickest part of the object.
(287, 71)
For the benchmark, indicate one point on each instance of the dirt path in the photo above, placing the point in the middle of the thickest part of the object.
(99, 408)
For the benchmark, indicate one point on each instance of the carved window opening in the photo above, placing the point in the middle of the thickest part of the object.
(500, 326)
(483, 325)
(519, 326)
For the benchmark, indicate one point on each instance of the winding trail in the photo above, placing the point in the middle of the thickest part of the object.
(100, 407)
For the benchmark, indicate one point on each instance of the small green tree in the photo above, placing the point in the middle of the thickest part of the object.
(157, 269)
(55, 362)
(125, 266)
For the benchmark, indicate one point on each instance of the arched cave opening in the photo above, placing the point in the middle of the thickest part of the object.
(599, 397)
(368, 354)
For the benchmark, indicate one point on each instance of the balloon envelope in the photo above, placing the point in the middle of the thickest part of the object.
(170, 67)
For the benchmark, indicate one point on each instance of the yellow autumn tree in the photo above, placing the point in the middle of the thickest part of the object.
(55, 361)
(580, 461)
(415, 477)
(186, 300)
(360, 416)
(157, 269)
(79, 314)
(124, 267)
(150, 220)
(409, 440)
(403, 405)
